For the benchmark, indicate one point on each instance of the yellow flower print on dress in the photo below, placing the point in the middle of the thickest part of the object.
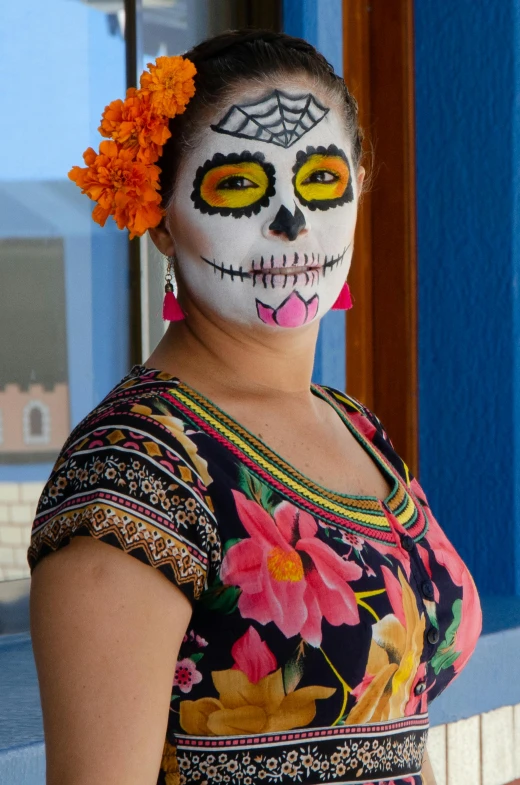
(252, 698)
(176, 427)
(170, 765)
(243, 707)
(393, 659)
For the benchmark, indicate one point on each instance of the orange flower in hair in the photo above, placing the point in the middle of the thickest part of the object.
(170, 84)
(122, 187)
(134, 125)
(123, 178)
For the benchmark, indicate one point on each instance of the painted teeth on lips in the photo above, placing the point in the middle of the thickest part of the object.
(292, 270)
(287, 264)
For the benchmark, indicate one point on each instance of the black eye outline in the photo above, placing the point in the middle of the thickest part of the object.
(233, 158)
(322, 204)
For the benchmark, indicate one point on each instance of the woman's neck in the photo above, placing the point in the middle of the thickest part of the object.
(212, 355)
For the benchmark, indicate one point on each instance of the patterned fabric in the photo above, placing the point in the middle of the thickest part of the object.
(323, 623)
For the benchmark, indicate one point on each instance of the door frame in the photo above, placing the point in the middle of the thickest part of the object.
(378, 53)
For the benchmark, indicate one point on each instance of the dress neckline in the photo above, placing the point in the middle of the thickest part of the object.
(362, 515)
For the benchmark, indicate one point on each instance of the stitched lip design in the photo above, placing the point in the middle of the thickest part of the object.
(294, 268)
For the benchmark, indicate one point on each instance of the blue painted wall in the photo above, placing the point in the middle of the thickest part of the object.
(469, 247)
(515, 177)
(321, 23)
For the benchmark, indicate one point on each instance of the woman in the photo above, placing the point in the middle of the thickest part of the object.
(312, 606)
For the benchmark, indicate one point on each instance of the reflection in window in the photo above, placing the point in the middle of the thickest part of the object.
(36, 423)
(171, 27)
(63, 280)
(34, 386)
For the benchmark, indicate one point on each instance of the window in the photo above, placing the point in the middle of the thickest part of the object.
(64, 281)
(68, 319)
(36, 423)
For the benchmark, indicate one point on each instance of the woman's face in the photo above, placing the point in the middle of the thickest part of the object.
(265, 208)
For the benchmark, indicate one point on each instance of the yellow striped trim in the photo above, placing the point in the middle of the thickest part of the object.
(320, 500)
(369, 511)
(346, 399)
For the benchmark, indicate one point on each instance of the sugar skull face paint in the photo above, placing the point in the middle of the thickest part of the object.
(322, 178)
(266, 235)
(233, 184)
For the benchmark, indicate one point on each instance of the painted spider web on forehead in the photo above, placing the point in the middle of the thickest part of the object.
(278, 118)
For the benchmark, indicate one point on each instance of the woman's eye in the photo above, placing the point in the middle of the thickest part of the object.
(321, 177)
(236, 183)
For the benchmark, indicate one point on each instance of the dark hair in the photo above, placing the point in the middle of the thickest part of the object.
(229, 59)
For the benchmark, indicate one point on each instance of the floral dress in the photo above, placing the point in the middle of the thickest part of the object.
(323, 623)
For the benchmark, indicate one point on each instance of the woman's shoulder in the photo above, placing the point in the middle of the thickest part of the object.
(137, 414)
(367, 421)
(130, 474)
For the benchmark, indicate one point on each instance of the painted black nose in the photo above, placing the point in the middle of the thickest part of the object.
(288, 224)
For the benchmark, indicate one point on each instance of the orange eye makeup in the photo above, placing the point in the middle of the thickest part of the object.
(233, 184)
(322, 178)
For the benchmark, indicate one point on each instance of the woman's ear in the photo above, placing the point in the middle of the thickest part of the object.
(162, 239)
(360, 178)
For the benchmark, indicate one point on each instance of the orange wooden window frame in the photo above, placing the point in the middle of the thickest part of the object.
(382, 327)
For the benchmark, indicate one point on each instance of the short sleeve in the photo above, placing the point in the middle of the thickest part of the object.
(131, 475)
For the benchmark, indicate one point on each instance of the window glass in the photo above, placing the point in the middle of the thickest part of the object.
(171, 27)
(64, 280)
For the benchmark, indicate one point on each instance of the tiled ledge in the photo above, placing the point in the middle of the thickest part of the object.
(483, 749)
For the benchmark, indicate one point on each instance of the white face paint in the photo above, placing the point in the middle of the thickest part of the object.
(264, 227)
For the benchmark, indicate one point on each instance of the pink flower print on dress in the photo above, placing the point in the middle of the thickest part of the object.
(196, 639)
(293, 312)
(287, 575)
(363, 424)
(253, 656)
(445, 554)
(186, 675)
(353, 540)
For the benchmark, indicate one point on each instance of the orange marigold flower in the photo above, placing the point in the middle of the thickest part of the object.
(134, 124)
(122, 187)
(170, 84)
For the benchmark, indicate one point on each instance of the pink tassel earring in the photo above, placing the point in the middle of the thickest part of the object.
(172, 311)
(344, 301)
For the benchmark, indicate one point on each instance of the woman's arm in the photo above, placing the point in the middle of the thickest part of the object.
(106, 630)
(427, 771)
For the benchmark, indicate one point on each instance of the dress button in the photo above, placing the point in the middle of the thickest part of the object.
(407, 543)
(420, 687)
(427, 589)
(433, 635)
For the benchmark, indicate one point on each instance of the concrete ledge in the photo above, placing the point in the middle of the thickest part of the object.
(24, 765)
(21, 721)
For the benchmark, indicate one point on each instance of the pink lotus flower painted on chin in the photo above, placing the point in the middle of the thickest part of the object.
(287, 575)
(293, 312)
